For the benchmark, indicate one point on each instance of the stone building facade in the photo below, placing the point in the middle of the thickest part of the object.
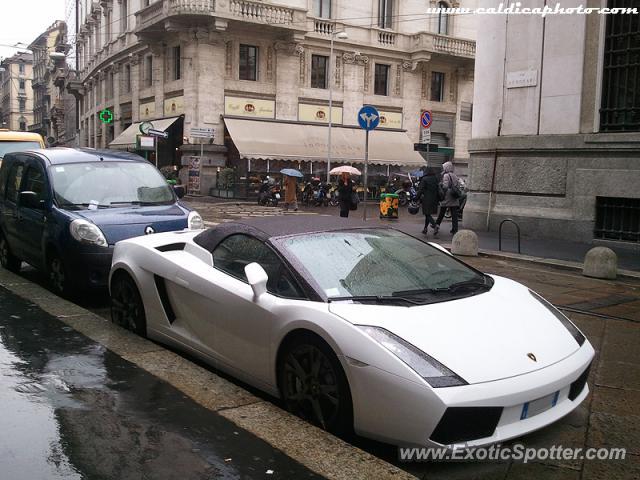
(204, 61)
(16, 95)
(54, 109)
(556, 128)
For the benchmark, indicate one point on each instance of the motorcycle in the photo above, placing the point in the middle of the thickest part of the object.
(408, 194)
(269, 195)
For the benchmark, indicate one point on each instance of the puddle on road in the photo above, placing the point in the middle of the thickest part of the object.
(72, 409)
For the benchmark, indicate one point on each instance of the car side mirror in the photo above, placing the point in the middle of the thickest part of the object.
(257, 278)
(30, 199)
(179, 190)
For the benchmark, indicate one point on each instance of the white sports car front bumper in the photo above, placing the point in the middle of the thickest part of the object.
(399, 411)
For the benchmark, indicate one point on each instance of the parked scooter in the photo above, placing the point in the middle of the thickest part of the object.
(407, 194)
(269, 193)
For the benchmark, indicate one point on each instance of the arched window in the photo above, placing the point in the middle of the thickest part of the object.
(443, 19)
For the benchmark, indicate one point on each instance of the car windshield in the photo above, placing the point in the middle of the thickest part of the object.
(16, 146)
(380, 263)
(109, 184)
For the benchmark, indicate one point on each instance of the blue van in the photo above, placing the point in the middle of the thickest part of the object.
(63, 209)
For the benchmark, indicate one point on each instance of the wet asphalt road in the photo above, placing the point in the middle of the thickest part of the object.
(71, 409)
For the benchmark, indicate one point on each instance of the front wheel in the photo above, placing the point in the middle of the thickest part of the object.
(314, 386)
(7, 259)
(59, 276)
(127, 308)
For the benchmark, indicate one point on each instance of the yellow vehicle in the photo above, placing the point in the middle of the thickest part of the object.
(12, 141)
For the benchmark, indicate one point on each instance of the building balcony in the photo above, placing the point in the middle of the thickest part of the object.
(164, 12)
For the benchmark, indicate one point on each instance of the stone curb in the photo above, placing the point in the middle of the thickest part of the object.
(314, 448)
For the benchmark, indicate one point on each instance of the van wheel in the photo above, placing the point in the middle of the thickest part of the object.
(7, 259)
(58, 276)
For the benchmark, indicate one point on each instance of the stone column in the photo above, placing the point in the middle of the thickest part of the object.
(290, 74)
(117, 79)
(159, 63)
(136, 60)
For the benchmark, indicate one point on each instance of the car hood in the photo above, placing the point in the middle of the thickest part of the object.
(481, 338)
(121, 223)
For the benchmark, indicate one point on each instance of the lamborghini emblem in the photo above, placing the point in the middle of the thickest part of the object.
(532, 357)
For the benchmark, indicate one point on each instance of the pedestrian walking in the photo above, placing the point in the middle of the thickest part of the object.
(346, 188)
(428, 196)
(291, 193)
(451, 201)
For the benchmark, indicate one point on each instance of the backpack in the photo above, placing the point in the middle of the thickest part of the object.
(454, 188)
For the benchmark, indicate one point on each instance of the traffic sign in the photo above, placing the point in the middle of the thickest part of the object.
(106, 116)
(158, 133)
(202, 133)
(368, 118)
(426, 119)
(425, 135)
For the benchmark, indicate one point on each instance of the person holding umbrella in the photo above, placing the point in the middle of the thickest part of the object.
(346, 188)
(291, 188)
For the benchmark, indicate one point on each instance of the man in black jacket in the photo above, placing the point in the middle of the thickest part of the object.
(428, 195)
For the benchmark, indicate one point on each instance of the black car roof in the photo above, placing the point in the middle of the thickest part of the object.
(265, 228)
(64, 155)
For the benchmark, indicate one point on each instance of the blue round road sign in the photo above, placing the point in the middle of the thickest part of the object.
(425, 119)
(368, 117)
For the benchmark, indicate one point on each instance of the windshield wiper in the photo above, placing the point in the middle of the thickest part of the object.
(451, 288)
(97, 205)
(374, 298)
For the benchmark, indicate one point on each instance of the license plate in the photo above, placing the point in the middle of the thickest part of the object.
(535, 407)
(277, 196)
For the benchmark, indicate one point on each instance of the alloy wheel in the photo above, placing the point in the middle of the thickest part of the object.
(127, 309)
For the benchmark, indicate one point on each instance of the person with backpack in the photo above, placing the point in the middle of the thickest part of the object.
(428, 196)
(450, 197)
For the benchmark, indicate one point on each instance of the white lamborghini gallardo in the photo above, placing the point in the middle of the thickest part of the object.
(357, 327)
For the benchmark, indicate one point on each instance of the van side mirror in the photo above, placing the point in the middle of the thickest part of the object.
(257, 278)
(179, 190)
(30, 199)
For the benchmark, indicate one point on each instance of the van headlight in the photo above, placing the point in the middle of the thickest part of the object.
(194, 221)
(87, 232)
(434, 373)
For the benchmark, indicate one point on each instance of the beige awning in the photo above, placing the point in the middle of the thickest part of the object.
(266, 140)
(128, 137)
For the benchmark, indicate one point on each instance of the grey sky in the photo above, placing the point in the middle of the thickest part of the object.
(24, 20)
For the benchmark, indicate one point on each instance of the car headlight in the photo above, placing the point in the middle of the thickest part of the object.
(194, 221)
(568, 324)
(87, 232)
(436, 374)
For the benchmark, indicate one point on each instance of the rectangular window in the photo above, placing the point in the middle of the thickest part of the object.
(437, 86)
(23, 126)
(319, 71)
(175, 57)
(248, 62)
(21, 84)
(148, 71)
(620, 108)
(126, 87)
(322, 8)
(21, 68)
(385, 13)
(22, 104)
(381, 81)
(618, 218)
(466, 111)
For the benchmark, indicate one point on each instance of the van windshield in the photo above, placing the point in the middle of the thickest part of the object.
(109, 184)
(16, 146)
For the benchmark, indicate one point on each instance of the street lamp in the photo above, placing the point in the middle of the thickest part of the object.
(342, 36)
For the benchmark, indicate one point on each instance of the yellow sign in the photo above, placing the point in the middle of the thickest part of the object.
(147, 110)
(390, 119)
(318, 113)
(249, 107)
(174, 106)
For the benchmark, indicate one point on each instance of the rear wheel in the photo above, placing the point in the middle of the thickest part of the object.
(7, 259)
(127, 308)
(314, 386)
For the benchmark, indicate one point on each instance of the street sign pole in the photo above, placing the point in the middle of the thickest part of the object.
(366, 164)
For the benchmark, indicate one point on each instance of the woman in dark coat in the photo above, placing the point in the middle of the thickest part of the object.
(428, 195)
(345, 189)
